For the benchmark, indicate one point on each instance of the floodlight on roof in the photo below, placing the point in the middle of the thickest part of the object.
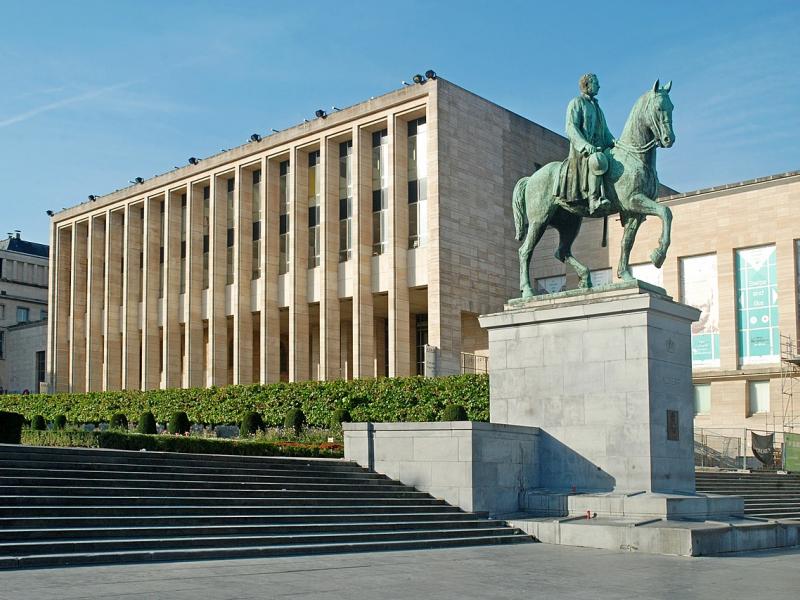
(193, 160)
(255, 138)
(430, 74)
(418, 78)
(138, 180)
(320, 114)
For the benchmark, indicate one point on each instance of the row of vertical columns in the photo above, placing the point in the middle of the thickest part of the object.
(131, 335)
(151, 337)
(62, 296)
(193, 299)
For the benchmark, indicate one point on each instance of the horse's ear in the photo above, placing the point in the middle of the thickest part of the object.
(668, 87)
(655, 86)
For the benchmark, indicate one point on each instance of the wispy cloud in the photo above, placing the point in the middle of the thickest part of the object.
(63, 102)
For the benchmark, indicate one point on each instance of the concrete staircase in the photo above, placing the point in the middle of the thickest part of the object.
(766, 494)
(62, 506)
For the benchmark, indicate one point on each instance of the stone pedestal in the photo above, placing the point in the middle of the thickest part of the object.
(607, 376)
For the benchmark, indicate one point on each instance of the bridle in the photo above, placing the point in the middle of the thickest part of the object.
(654, 127)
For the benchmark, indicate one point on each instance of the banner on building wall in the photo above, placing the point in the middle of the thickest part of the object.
(648, 273)
(699, 289)
(763, 447)
(551, 285)
(757, 305)
(791, 449)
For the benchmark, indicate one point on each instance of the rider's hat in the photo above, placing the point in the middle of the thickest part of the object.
(598, 163)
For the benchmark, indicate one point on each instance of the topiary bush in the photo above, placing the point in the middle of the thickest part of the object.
(251, 422)
(179, 423)
(60, 422)
(38, 423)
(295, 419)
(11, 427)
(118, 421)
(341, 415)
(147, 423)
(454, 412)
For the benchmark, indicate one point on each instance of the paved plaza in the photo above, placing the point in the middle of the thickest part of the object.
(518, 571)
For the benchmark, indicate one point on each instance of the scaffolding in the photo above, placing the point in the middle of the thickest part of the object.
(790, 381)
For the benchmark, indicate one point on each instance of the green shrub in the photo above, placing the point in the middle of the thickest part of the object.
(38, 423)
(60, 422)
(60, 438)
(454, 412)
(251, 422)
(341, 415)
(398, 399)
(118, 421)
(295, 419)
(147, 423)
(10, 427)
(179, 423)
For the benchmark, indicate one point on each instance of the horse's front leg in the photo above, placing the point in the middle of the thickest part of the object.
(646, 206)
(628, 236)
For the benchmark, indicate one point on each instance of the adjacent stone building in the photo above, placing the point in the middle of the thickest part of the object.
(361, 243)
(735, 255)
(23, 314)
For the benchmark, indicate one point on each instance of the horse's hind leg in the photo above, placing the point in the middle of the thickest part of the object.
(535, 231)
(643, 205)
(568, 227)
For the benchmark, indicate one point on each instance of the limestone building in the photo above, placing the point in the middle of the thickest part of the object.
(23, 314)
(735, 255)
(361, 243)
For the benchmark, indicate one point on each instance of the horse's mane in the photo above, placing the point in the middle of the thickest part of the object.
(634, 118)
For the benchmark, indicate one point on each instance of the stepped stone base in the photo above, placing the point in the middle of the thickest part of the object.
(662, 536)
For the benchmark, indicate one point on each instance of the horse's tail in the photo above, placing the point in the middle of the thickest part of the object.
(518, 202)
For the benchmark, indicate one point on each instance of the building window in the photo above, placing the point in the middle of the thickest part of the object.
(698, 278)
(2, 312)
(283, 207)
(345, 200)
(421, 342)
(231, 232)
(206, 229)
(183, 244)
(314, 241)
(380, 190)
(757, 305)
(256, 195)
(417, 183)
(600, 277)
(23, 314)
(648, 273)
(42, 314)
(702, 399)
(40, 367)
(2, 344)
(162, 206)
(758, 397)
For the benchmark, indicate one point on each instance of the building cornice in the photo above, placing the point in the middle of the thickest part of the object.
(733, 188)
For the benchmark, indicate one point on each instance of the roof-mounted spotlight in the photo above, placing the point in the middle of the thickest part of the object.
(255, 138)
(138, 180)
(320, 114)
(50, 213)
(430, 74)
(193, 160)
(418, 78)
(275, 130)
(403, 82)
(335, 108)
(92, 197)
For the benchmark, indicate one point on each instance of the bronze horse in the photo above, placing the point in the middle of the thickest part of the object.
(631, 184)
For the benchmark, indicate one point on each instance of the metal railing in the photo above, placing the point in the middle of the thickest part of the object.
(474, 363)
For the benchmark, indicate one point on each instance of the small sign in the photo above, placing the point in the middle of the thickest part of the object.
(673, 434)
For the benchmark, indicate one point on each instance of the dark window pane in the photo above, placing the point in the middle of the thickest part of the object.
(230, 185)
(313, 216)
(376, 200)
(205, 243)
(230, 238)
(343, 208)
(284, 168)
(412, 128)
(412, 192)
(183, 249)
(257, 230)
(256, 177)
(206, 193)
(161, 255)
(284, 224)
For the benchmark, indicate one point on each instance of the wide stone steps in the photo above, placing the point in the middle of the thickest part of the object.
(766, 495)
(83, 506)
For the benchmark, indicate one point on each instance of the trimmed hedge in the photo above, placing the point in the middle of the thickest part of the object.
(378, 400)
(119, 440)
(341, 415)
(147, 423)
(10, 427)
(295, 419)
(251, 422)
(179, 423)
(38, 423)
(119, 421)
(60, 422)
(454, 412)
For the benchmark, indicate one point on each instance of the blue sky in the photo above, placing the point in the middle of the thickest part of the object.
(97, 93)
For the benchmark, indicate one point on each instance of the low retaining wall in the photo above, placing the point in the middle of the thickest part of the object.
(480, 467)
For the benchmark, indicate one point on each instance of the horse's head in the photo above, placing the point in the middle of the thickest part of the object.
(659, 114)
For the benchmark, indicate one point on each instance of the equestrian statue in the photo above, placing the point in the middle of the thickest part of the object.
(601, 177)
